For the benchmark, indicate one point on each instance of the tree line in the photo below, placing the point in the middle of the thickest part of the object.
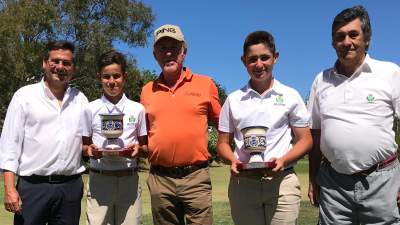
(93, 26)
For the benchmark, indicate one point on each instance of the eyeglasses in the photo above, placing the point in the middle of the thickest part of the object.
(54, 62)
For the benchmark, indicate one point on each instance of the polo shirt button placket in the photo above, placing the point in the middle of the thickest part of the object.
(348, 93)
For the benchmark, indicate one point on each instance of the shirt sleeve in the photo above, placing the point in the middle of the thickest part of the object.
(225, 120)
(299, 116)
(313, 106)
(396, 91)
(142, 129)
(86, 121)
(215, 106)
(12, 135)
(143, 96)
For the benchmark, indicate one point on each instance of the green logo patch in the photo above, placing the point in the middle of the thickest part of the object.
(279, 100)
(132, 119)
(370, 98)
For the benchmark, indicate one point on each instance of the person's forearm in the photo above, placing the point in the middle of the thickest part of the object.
(315, 158)
(143, 146)
(315, 155)
(9, 180)
(143, 151)
(86, 142)
(225, 153)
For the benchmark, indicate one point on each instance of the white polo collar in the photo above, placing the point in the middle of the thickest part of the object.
(365, 67)
(276, 89)
(117, 108)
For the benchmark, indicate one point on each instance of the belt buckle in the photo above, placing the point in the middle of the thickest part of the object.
(382, 165)
(363, 173)
(176, 171)
(52, 179)
(368, 171)
(267, 175)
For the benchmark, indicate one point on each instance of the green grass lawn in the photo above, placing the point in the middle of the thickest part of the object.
(220, 178)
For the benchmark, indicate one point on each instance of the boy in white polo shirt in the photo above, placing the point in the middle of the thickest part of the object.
(114, 194)
(263, 196)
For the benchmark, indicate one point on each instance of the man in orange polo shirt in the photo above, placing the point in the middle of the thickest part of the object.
(178, 105)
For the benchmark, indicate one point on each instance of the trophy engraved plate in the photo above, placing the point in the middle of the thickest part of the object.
(257, 165)
(111, 153)
(255, 143)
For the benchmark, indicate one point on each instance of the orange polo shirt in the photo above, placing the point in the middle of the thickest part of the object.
(177, 119)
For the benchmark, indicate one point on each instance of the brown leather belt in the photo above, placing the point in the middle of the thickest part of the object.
(116, 173)
(177, 171)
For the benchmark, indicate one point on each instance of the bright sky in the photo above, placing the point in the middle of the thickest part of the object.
(215, 31)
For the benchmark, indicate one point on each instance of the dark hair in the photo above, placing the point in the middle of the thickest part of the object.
(350, 14)
(259, 37)
(111, 57)
(56, 45)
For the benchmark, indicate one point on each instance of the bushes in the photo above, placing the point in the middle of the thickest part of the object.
(212, 144)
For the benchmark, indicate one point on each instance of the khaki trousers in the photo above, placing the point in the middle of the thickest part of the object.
(263, 201)
(113, 200)
(176, 200)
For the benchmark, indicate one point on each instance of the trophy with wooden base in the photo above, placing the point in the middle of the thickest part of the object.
(112, 127)
(255, 143)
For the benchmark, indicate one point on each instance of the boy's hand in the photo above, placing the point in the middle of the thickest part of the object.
(234, 169)
(279, 164)
(89, 151)
(134, 148)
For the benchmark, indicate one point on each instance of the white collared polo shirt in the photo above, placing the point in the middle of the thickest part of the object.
(278, 109)
(134, 126)
(355, 114)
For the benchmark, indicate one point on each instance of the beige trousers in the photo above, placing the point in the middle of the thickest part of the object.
(113, 200)
(265, 202)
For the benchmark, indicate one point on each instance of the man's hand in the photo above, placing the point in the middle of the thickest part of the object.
(12, 201)
(313, 192)
(398, 198)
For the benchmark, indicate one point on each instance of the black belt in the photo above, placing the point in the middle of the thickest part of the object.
(177, 171)
(51, 179)
(117, 173)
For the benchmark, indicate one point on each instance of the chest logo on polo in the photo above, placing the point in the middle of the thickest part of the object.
(195, 94)
(279, 100)
(370, 98)
(131, 119)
